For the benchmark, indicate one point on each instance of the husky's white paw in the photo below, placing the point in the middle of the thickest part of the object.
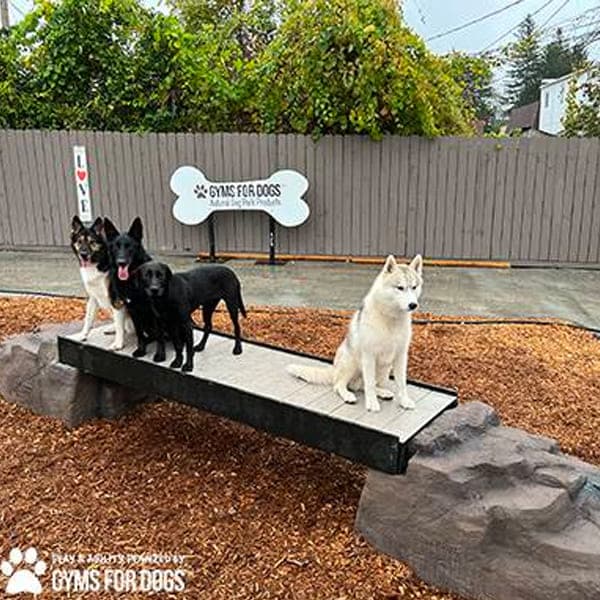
(384, 393)
(116, 346)
(81, 336)
(406, 402)
(346, 395)
(373, 406)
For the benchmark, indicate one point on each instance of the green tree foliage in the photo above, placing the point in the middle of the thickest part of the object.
(583, 106)
(251, 25)
(111, 64)
(9, 81)
(342, 66)
(185, 82)
(310, 66)
(77, 57)
(474, 74)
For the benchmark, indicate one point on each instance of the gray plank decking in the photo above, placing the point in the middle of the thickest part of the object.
(255, 388)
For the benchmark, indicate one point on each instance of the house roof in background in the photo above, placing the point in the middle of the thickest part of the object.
(524, 117)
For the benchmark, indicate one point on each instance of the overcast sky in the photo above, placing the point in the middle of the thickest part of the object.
(432, 17)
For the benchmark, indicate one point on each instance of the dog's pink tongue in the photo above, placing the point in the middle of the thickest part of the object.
(123, 273)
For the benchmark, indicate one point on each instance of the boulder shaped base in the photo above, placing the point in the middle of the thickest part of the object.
(489, 512)
(31, 376)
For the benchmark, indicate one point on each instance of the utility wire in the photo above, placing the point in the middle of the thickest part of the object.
(554, 14)
(571, 21)
(541, 8)
(474, 21)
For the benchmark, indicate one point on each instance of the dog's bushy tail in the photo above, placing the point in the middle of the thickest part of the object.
(241, 302)
(320, 375)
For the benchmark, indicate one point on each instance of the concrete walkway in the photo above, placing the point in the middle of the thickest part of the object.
(568, 294)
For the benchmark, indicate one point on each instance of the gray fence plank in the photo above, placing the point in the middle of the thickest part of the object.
(546, 216)
(537, 199)
(498, 207)
(571, 177)
(590, 197)
(578, 200)
(593, 254)
(5, 194)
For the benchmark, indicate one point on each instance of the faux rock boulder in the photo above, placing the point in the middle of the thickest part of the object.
(489, 512)
(31, 376)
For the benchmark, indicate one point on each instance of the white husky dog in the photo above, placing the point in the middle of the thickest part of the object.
(90, 248)
(377, 341)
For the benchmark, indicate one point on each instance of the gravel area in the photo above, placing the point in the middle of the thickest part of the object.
(256, 516)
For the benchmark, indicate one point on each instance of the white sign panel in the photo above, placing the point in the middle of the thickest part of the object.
(82, 181)
(280, 196)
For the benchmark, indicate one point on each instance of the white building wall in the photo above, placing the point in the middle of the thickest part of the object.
(553, 102)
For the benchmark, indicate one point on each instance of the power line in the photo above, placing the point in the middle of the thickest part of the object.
(570, 35)
(477, 20)
(565, 23)
(554, 14)
(541, 8)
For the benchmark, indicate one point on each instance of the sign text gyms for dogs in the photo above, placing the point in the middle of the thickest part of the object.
(280, 196)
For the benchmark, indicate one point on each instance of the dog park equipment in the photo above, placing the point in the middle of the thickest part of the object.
(255, 389)
(280, 196)
(491, 512)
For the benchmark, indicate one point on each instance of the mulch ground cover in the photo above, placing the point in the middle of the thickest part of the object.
(260, 517)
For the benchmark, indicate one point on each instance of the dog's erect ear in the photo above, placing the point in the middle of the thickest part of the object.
(390, 264)
(136, 230)
(76, 224)
(110, 231)
(98, 226)
(168, 273)
(417, 264)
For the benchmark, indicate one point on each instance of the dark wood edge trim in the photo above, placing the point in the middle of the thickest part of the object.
(369, 447)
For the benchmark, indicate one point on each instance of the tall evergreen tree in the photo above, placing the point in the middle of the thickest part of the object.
(525, 65)
(529, 62)
(558, 58)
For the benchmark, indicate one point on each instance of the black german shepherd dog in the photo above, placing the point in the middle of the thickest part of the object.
(127, 255)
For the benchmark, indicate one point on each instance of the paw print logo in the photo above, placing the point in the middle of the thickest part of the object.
(23, 578)
(200, 190)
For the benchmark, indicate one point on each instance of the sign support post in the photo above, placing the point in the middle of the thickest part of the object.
(212, 256)
(272, 240)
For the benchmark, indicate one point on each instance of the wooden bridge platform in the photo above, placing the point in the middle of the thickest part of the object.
(254, 388)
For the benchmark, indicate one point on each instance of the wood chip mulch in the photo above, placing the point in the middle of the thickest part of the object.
(260, 517)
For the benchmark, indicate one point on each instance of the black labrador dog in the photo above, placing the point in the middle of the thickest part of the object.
(126, 255)
(174, 297)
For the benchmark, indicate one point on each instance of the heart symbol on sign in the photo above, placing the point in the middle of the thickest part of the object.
(81, 174)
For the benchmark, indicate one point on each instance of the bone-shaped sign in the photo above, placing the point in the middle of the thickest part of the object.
(280, 196)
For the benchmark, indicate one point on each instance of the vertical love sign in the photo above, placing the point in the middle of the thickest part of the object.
(82, 182)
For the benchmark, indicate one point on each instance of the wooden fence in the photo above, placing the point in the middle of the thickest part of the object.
(522, 200)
